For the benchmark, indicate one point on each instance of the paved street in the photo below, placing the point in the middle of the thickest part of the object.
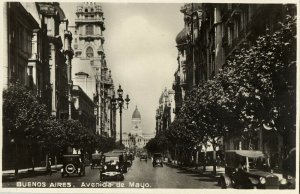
(141, 174)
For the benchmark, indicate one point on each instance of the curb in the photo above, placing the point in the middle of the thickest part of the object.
(200, 171)
(7, 177)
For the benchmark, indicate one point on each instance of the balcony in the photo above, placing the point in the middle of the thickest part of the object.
(91, 37)
(89, 20)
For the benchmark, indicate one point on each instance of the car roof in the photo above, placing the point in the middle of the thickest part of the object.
(118, 151)
(247, 153)
(112, 154)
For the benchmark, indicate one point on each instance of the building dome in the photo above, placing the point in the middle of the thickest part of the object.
(182, 37)
(136, 114)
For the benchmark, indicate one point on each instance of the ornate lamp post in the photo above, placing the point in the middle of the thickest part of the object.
(118, 103)
(98, 100)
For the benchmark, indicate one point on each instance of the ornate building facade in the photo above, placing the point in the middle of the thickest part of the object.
(165, 112)
(90, 70)
(136, 139)
(38, 54)
(212, 34)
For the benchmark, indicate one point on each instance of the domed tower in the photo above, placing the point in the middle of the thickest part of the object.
(136, 123)
(88, 41)
(89, 67)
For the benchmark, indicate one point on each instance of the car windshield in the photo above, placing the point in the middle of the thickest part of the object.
(157, 155)
(258, 164)
(71, 159)
(111, 159)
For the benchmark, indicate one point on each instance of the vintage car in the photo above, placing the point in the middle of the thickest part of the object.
(113, 167)
(248, 169)
(289, 170)
(73, 164)
(143, 157)
(157, 159)
(125, 162)
(97, 160)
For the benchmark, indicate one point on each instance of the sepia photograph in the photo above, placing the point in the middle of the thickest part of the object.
(147, 95)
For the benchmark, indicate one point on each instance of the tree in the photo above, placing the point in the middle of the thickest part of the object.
(23, 117)
(261, 82)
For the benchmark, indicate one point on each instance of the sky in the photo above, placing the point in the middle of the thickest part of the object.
(141, 51)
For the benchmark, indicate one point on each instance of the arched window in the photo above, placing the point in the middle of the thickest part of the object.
(89, 52)
(89, 30)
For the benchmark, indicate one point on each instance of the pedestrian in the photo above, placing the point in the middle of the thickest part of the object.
(49, 167)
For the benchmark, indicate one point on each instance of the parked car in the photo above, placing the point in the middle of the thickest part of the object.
(97, 160)
(73, 164)
(289, 170)
(113, 167)
(247, 169)
(143, 157)
(157, 159)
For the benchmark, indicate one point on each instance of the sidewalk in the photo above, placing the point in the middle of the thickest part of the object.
(207, 172)
(9, 175)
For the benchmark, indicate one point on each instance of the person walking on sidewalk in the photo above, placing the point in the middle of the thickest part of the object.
(49, 167)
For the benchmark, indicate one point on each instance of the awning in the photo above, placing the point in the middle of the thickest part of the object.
(248, 153)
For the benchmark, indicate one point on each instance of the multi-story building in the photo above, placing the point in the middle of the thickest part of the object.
(165, 111)
(89, 69)
(59, 58)
(84, 109)
(38, 55)
(20, 27)
(212, 34)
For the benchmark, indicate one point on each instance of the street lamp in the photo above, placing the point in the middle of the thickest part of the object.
(118, 103)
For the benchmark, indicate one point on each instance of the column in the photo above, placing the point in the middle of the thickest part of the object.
(52, 66)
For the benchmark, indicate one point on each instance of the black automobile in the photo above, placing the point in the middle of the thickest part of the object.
(143, 157)
(112, 168)
(97, 160)
(73, 164)
(247, 169)
(157, 160)
(289, 170)
(124, 162)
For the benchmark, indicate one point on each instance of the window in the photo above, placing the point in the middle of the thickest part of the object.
(89, 52)
(89, 30)
(86, 10)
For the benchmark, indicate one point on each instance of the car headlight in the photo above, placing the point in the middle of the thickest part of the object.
(289, 177)
(262, 180)
(62, 170)
(78, 169)
(105, 167)
(283, 181)
(117, 167)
